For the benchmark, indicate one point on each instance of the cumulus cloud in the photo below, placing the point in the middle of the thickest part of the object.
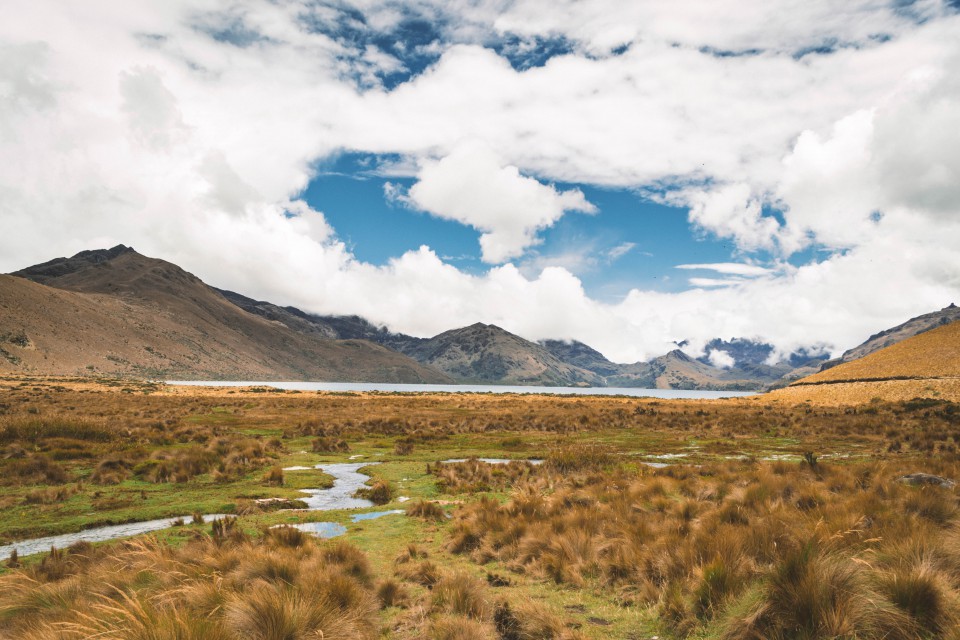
(189, 129)
(721, 359)
(471, 186)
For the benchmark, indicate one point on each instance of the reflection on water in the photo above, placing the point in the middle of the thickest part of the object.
(373, 515)
(322, 529)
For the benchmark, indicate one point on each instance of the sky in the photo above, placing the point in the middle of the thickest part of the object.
(632, 175)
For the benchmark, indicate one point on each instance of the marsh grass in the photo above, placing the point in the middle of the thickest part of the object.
(228, 589)
(734, 547)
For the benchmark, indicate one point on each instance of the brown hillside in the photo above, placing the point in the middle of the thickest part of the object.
(924, 366)
(485, 353)
(133, 315)
(933, 354)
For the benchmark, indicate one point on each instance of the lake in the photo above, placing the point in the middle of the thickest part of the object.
(667, 394)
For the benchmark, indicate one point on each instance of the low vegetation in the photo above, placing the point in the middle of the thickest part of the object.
(737, 520)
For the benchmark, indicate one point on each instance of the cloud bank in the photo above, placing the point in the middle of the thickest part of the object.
(190, 129)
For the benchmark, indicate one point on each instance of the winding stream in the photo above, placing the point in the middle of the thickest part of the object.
(346, 480)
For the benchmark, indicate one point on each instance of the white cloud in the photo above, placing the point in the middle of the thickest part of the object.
(730, 268)
(472, 186)
(721, 359)
(734, 212)
(621, 250)
(127, 122)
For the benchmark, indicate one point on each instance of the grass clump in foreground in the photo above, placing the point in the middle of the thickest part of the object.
(213, 587)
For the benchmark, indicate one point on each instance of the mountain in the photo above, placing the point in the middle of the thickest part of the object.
(583, 356)
(674, 370)
(934, 353)
(926, 365)
(889, 337)
(121, 313)
(479, 353)
(485, 353)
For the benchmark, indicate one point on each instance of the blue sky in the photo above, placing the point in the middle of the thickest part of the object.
(630, 242)
(544, 165)
(654, 237)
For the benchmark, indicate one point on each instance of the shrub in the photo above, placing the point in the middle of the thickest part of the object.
(330, 445)
(286, 536)
(380, 492)
(461, 593)
(274, 477)
(426, 510)
(392, 593)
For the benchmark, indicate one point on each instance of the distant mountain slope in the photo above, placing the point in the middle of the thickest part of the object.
(291, 317)
(477, 354)
(674, 370)
(901, 332)
(118, 312)
(485, 353)
(926, 365)
(931, 354)
(583, 356)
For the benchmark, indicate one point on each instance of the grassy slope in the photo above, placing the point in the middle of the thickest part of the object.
(924, 366)
(933, 354)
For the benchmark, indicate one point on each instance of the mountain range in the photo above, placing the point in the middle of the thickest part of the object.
(117, 312)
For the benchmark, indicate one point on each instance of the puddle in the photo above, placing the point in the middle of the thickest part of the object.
(373, 515)
(297, 468)
(346, 480)
(322, 529)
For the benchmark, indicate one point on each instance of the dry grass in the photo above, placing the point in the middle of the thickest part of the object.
(380, 492)
(426, 510)
(474, 476)
(208, 589)
(734, 548)
(759, 550)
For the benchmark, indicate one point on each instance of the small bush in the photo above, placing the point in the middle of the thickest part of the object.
(392, 593)
(462, 594)
(426, 510)
(286, 536)
(380, 492)
(330, 445)
(274, 477)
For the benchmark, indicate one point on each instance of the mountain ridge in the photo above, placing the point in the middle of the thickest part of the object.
(480, 353)
(117, 312)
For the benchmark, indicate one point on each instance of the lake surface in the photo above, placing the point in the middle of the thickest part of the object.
(667, 394)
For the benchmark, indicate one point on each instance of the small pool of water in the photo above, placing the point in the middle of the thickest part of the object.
(373, 515)
(322, 529)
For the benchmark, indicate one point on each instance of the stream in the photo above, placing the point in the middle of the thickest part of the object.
(346, 480)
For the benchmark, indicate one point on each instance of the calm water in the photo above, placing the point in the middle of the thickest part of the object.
(468, 388)
(346, 480)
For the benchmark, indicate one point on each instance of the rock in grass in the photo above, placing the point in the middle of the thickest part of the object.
(918, 479)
